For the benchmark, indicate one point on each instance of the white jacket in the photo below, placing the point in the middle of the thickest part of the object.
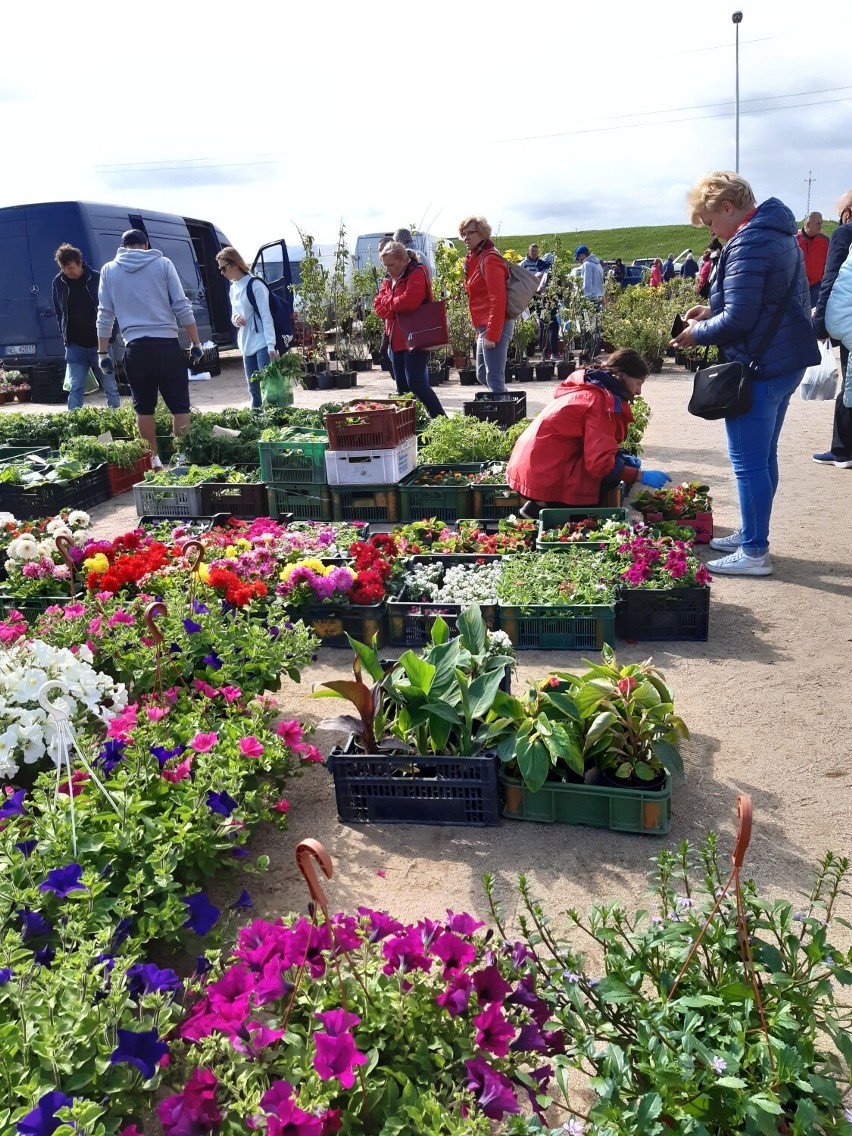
(256, 333)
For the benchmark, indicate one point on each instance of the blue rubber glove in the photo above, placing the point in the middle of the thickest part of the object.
(106, 364)
(631, 461)
(196, 353)
(655, 478)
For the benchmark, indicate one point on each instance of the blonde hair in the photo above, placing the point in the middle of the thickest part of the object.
(712, 190)
(480, 223)
(229, 255)
(393, 248)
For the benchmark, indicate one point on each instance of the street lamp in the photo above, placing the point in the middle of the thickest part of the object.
(737, 18)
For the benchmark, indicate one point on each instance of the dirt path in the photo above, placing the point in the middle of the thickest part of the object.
(766, 699)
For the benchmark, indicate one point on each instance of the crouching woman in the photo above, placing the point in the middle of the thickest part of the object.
(570, 454)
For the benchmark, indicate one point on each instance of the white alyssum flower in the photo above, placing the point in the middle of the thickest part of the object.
(470, 584)
(499, 643)
(7, 518)
(27, 733)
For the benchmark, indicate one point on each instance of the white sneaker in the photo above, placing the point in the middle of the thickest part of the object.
(738, 564)
(728, 543)
(156, 463)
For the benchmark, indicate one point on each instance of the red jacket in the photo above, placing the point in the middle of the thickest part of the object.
(412, 289)
(815, 251)
(565, 453)
(485, 283)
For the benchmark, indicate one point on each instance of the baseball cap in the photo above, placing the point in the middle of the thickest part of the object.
(403, 236)
(134, 237)
(580, 249)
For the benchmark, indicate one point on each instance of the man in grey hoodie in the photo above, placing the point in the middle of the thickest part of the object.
(141, 289)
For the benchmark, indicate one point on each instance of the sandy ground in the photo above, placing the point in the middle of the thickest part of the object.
(766, 700)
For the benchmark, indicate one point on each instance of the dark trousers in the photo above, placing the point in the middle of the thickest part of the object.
(411, 374)
(841, 438)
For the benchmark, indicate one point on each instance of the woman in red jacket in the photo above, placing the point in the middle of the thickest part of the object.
(485, 283)
(404, 289)
(570, 454)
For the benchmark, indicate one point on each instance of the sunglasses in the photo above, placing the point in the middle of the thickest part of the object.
(223, 268)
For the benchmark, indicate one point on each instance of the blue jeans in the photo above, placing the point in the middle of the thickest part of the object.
(411, 375)
(79, 360)
(491, 361)
(253, 364)
(753, 450)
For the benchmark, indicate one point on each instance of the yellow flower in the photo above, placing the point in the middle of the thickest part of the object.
(203, 573)
(230, 552)
(243, 543)
(96, 563)
(315, 565)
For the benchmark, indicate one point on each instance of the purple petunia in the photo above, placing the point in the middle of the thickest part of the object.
(493, 1090)
(213, 661)
(111, 754)
(222, 803)
(336, 1054)
(42, 1120)
(190, 626)
(242, 902)
(25, 847)
(13, 805)
(64, 881)
(33, 926)
(202, 913)
(5, 975)
(148, 978)
(143, 1049)
(163, 754)
(200, 608)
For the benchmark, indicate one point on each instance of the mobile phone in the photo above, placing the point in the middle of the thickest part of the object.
(679, 324)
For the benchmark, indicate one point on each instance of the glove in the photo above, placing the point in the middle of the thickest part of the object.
(106, 364)
(196, 353)
(655, 478)
(631, 461)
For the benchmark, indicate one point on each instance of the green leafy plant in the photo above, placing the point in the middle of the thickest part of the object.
(312, 299)
(557, 578)
(86, 448)
(31, 471)
(458, 439)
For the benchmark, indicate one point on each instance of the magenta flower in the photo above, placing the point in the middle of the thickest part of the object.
(290, 733)
(490, 985)
(493, 1090)
(494, 1031)
(454, 952)
(180, 771)
(456, 998)
(155, 713)
(281, 806)
(462, 924)
(405, 953)
(204, 687)
(202, 743)
(230, 693)
(251, 747)
(192, 1112)
(336, 1055)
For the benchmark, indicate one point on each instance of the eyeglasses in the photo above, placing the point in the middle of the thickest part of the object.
(469, 233)
(223, 268)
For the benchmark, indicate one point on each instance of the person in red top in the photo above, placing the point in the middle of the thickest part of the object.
(404, 289)
(656, 273)
(485, 283)
(814, 245)
(570, 454)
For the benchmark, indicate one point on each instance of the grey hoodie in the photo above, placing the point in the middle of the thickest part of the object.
(141, 289)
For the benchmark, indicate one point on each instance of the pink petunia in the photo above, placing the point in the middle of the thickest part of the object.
(202, 742)
(180, 771)
(281, 806)
(230, 693)
(251, 747)
(119, 617)
(290, 733)
(204, 687)
(155, 713)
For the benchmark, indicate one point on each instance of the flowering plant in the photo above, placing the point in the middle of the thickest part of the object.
(308, 582)
(33, 564)
(557, 578)
(493, 474)
(513, 534)
(587, 530)
(660, 562)
(464, 584)
(683, 501)
(27, 732)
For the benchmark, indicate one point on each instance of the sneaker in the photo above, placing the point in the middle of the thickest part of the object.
(555, 359)
(830, 458)
(180, 459)
(728, 543)
(738, 564)
(156, 463)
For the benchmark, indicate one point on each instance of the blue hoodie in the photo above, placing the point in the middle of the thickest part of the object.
(141, 289)
(755, 270)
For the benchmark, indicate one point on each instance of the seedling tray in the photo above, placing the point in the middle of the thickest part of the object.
(444, 502)
(660, 614)
(294, 462)
(410, 623)
(555, 518)
(378, 789)
(599, 806)
(300, 502)
(366, 503)
(572, 627)
(702, 523)
(505, 409)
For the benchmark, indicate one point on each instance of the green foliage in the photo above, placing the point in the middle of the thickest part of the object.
(458, 438)
(636, 430)
(313, 298)
(557, 578)
(38, 429)
(120, 421)
(86, 448)
(31, 471)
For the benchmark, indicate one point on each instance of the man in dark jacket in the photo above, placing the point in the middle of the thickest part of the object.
(840, 453)
(668, 268)
(689, 268)
(75, 301)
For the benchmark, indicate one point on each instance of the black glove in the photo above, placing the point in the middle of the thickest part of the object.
(196, 353)
(106, 364)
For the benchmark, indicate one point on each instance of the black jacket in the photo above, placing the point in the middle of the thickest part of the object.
(60, 296)
(838, 250)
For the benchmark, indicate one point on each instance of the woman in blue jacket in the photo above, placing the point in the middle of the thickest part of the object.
(758, 264)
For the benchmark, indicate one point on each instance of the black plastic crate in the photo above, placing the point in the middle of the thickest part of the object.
(410, 622)
(209, 362)
(659, 614)
(333, 622)
(45, 379)
(373, 789)
(504, 409)
(365, 503)
(82, 492)
(242, 499)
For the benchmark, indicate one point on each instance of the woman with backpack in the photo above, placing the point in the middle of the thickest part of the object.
(256, 334)
(485, 283)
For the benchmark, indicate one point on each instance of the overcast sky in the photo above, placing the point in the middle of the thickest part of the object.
(544, 117)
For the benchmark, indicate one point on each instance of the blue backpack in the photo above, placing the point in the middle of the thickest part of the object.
(282, 317)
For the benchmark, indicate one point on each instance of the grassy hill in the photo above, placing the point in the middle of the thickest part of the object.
(639, 241)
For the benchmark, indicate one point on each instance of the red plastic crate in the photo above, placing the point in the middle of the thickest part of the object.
(368, 429)
(122, 480)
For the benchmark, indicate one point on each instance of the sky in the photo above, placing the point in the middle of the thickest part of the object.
(544, 118)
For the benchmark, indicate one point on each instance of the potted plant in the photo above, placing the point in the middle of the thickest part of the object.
(664, 589)
(313, 294)
(525, 333)
(689, 503)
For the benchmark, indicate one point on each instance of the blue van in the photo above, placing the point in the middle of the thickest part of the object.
(30, 340)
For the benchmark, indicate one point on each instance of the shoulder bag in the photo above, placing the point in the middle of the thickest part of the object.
(521, 285)
(724, 390)
(426, 326)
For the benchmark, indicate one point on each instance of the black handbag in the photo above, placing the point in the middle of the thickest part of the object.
(724, 390)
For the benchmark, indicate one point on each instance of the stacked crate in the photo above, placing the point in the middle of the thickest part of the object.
(293, 468)
(369, 451)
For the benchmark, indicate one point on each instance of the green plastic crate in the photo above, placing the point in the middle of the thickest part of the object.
(572, 627)
(645, 811)
(446, 502)
(365, 502)
(555, 518)
(33, 606)
(304, 502)
(301, 463)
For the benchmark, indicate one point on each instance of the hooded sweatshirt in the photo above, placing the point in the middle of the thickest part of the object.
(593, 277)
(141, 289)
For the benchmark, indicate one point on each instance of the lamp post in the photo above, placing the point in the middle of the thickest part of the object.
(737, 18)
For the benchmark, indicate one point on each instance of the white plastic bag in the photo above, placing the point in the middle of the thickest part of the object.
(820, 381)
(847, 386)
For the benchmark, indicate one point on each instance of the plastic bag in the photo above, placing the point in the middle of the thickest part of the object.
(847, 386)
(275, 386)
(820, 381)
(92, 384)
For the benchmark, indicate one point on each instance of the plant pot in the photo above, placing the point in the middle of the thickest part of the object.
(467, 376)
(564, 369)
(459, 361)
(655, 365)
(524, 372)
(361, 364)
(309, 382)
(343, 380)
(601, 777)
(544, 371)
(376, 356)
(531, 350)
(510, 372)
(2, 397)
(316, 368)
(681, 359)
(22, 396)
(326, 381)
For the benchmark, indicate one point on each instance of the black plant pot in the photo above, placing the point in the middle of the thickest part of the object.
(376, 356)
(343, 380)
(326, 381)
(600, 777)
(531, 350)
(524, 372)
(564, 369)
(435, 377)
(511, 369)
(310, 382)
(467, 376)
(316, 368)
(362, 364)
(655, 366)
(544, 371)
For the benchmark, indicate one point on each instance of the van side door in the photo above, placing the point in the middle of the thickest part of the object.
(272, 264)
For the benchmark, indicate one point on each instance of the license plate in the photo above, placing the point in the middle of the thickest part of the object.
(20, 349)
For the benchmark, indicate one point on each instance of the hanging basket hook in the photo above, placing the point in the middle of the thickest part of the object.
(152, 611)
(193, 551)
(307, 852)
